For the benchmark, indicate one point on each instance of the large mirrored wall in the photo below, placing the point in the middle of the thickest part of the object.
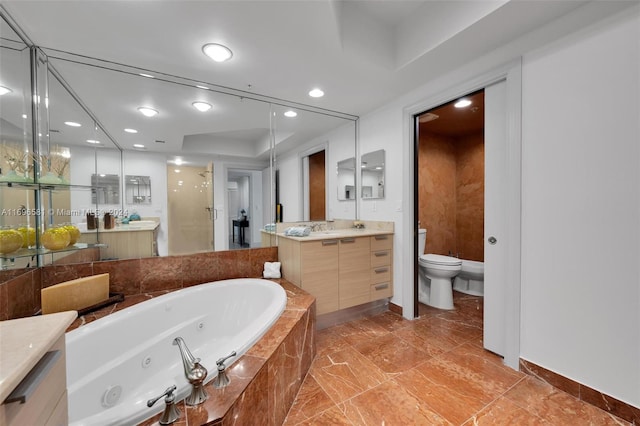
(208, 170)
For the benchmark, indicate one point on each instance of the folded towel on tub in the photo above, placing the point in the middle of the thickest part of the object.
(271, 270)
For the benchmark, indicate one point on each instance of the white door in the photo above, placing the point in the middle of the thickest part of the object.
(495, 218)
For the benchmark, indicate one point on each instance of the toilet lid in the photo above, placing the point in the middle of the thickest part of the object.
(438, 259)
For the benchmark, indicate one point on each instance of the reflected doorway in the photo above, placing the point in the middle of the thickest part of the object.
(314, 176)
(190, 209)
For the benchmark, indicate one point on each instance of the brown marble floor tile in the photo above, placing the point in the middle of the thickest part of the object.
(392, 354)
(310, 401)
(443, 333)
(391, 321)
(389, 404)
(359, 331)
(330, 417)
(328, 341)
(556, 406)
(505, 413)
(345, 373)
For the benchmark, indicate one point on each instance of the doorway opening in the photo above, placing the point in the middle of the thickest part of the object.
(240, 206)
(450, 209)
(314, 177)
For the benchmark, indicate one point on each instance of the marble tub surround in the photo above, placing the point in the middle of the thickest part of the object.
(266, 379)
(20, 295)
(431, 371)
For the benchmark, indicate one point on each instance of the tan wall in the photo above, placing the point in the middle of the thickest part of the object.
(451, 194)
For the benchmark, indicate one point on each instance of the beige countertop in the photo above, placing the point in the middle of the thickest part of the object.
(130, 227)
(337, 234)
(24, 341)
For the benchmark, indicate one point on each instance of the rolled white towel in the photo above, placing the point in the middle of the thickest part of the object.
(271, 270)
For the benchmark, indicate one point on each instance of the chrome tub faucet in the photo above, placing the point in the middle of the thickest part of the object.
(194, 372)
(171, 412)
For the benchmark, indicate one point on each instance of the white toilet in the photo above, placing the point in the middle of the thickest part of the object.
(435, 274)
(470, 280)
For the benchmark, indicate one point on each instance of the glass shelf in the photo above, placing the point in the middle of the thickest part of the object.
(46, 186)
(37, 251)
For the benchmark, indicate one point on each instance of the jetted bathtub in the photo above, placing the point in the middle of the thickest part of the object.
(115, 364)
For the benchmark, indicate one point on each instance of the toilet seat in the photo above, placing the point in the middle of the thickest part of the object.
(438, 259)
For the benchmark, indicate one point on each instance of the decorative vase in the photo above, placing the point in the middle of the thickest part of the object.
(74, 233)
(28, 235)
(55, 238)
(12, 176)
(10, 240)
(50, 178)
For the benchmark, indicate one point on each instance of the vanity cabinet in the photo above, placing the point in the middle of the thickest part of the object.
(33, 370)
(340, 272)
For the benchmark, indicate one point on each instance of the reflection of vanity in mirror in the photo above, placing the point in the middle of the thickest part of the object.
(372, 172)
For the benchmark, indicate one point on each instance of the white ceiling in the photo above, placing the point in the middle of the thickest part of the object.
(361, 53)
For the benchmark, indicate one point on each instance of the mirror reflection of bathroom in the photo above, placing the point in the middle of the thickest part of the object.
(346, 170)
(137, 189)
(372, 172)
(451, 181)
(244, 205)
(106, 189)
(315, 183)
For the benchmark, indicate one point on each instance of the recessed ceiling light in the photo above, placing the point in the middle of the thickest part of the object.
(148, 112)
(138, 145)
(72, 124)
(176, 170)
(103, 175)
(146, 75)
(201, 106)
(24, 115)
(93, 141)
(131, 130)
(462, 103)
(178, 162)
(203, 87)
(217, 52)
(290, 114)
(316, 93)
(4, 90)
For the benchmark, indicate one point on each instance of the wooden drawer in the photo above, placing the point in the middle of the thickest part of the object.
(381, 290)
(381, 242)
(380, 274)
(380, 258)
(319, 273)
(50, 381)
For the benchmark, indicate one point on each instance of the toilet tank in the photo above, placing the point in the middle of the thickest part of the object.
(422, 240)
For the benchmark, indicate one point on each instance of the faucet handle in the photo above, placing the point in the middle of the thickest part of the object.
(171, 412)
(221, 361)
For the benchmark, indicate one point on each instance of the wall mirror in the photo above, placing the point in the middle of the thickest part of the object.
(137, 189)
(372, 174)
(234, 130)
(106, 189)
(346, 170)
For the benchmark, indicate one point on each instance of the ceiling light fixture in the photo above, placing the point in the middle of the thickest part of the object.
(24, 115)
(93, 141)
(178, 162)
(316, 93)
(148, 112)
(72, 124)
(290, 114)
(138, 145)
(4, 90)
(217, 52)
(201, 106)
(462, 103)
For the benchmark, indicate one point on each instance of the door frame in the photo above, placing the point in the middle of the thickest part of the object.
(512, 74)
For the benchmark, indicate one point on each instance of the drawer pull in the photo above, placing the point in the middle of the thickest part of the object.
(348, 240)
(381, 253)
(381, 270)
(382, 286)
(381, 237)
(32, 380)
(329, 242)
